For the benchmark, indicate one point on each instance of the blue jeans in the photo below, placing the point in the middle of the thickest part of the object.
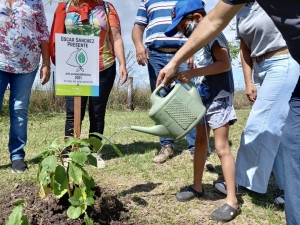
(259, 150)
(20, 90)
(157, 61)
(290, 144)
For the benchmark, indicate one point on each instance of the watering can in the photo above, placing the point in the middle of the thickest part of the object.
(175, 114)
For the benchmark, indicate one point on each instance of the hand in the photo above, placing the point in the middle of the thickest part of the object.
(45, 74)
(165, 75)
(142, 55)
(251, 92)
(190, 63)
(184, 76)
(123, 74)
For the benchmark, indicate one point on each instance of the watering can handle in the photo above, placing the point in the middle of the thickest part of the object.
(156, 91)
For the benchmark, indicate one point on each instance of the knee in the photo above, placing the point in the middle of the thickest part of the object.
(222, 150)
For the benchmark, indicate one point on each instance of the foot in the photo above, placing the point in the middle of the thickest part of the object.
(100, 162)
(238, 191)
(165, 153)
(19, 166)
(188, 194)
(225, 213)
(279, 200)
(208, 166)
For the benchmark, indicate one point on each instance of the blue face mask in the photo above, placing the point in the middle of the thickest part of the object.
(190, 28)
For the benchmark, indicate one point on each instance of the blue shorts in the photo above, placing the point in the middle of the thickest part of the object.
(219, 113)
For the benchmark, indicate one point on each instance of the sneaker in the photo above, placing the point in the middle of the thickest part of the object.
(225, 213)
(188, 194)
(165, 153)
(279, 200)
(239, 189)
(19, 166)
(100, 162)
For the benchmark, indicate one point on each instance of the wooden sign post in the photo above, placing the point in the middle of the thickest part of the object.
(77, 116)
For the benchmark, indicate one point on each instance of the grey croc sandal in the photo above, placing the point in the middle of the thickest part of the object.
(225, 213)
(188, 194)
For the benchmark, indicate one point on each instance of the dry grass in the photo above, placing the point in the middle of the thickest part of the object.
(148, 190)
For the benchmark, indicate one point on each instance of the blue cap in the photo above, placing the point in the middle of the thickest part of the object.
(179, 11)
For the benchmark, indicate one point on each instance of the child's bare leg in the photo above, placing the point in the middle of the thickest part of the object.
(199, 157)
(227, 162)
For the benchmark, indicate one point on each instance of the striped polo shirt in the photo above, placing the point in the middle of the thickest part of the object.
(155, 15)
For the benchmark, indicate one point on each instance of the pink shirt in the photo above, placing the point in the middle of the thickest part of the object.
(22, 28)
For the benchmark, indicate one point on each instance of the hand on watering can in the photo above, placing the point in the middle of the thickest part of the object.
(166, 75)
(184, 76)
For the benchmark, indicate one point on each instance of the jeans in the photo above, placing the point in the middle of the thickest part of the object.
(97, 104)
(20, 90)
(157, 61)
(275, 78)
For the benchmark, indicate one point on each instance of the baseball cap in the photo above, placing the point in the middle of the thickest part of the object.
(179, 11)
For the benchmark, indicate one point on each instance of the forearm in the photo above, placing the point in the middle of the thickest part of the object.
(45, 53)
(137, 35)
(246, 62)
(119, 51)
(209, 27)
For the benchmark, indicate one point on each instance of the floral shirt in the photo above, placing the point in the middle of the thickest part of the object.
(22, 28)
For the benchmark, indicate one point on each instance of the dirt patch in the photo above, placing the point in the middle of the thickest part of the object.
(108, 209)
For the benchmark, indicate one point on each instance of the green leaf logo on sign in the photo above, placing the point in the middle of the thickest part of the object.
(78, 59)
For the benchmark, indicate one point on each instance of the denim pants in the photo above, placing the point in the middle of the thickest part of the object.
(20, 90)
(157, 61)
(259, 152)
(96, 107)
(290, 144)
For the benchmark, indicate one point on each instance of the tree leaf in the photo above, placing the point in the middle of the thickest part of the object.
(74, 141)
(78, 157)
(95, 142)
(112, 144)
(84, 150)
(49, 163)
(74, 212)
(15, 216)
(44, 177)
(44, 191)
(88, 220)
(89, 201)
(19, 202)
(75, 173)
(43, 153)
(92, 160)
(60, 184)
(88, 181)
(24, 220)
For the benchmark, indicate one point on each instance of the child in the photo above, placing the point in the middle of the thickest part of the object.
(214, 80)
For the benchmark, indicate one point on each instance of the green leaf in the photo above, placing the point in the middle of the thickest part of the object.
(24, 220)
(84, 150)
(96, 143)
(92, 160)
(54, 144)
(78, 157)
(43, 153)
(81, 58)
(19, 202)
(74, 201)
(73, 141)
(88, 181)
(38, 172)
(60, 184)
(44, 177)
(89, 201)
(74, 212)
(88, 220)
(49, 163)
(75, 173)
(15, 216)
(112, 144)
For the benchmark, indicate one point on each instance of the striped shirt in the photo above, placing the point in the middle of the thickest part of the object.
(155, 15)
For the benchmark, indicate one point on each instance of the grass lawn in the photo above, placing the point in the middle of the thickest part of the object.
(147, 190)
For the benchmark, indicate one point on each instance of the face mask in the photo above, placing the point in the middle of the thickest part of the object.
(190, 28)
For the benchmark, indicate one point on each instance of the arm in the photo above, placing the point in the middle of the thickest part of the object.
(207, 29)
(247, 70)
(119, 51)
(45, 69)
(142, 56)
(221, 65)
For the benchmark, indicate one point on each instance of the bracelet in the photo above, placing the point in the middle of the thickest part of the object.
(45, 64)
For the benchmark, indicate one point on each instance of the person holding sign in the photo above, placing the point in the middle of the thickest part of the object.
(92, 18)
(24, 38)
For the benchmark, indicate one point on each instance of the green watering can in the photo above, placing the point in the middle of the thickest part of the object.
(175, 114)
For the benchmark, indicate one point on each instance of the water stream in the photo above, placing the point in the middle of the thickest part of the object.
(118, 130)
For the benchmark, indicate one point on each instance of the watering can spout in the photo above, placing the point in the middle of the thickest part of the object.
(157, 130)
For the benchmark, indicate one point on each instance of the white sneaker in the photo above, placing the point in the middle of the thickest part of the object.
(279, 200)
(100, 162)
